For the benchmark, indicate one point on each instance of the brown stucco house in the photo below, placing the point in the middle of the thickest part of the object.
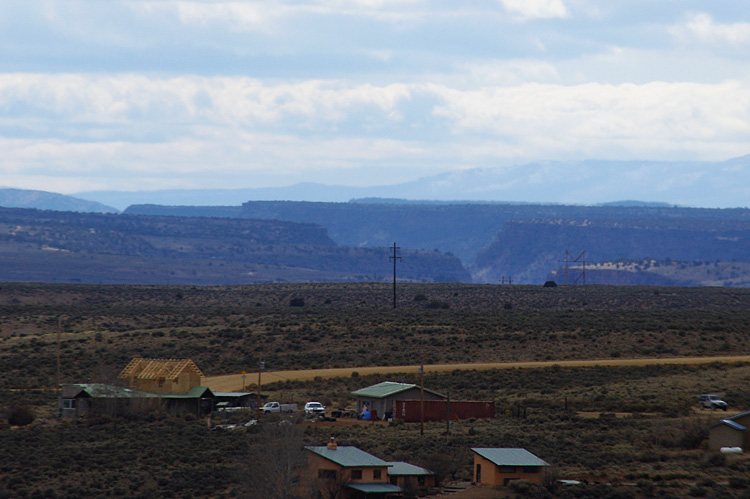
(733, 431)
(162, 375)
(346, 471)
(499, 466)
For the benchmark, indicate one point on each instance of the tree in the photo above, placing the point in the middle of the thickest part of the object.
(276, 463)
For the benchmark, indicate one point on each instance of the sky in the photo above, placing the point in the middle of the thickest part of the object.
(168, 94)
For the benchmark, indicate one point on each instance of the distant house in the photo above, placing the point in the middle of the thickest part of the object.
(99, 398)
(345, 471)
(499, 466)
(381, 398)
(198, 400)
(162, 375)
(733, 431)
(410, 477)
(235, 400)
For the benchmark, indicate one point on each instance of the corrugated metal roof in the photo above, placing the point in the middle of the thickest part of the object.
(375, 488)
(733, 424)
(402, 468)
(347, 456)
(195, 392)
(102, 390)
(388, 388)
(509, 456)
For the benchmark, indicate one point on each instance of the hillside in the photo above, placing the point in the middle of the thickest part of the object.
(43, 200)
(530, 249)
(633, 428)
(74, 247)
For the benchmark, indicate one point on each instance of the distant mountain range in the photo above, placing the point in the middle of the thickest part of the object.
(721, 184)
(56, 246)
(42, 200)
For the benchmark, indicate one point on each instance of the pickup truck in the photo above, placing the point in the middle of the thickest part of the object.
(276, 407)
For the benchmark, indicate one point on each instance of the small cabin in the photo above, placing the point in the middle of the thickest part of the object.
(500, 466)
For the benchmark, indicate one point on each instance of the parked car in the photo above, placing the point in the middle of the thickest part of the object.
(710, 401)
(315, 408)
(276, 407)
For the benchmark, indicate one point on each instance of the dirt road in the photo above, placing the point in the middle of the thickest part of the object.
(234, 382)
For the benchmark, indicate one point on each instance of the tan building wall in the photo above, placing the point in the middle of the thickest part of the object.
(400, 480)
(347, 475)
(724, 436)
(492, 474)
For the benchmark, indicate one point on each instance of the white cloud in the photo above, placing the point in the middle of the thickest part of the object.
(231, 128)
(536, 9)
(702, 29)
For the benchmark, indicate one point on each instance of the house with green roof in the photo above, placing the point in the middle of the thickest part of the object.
(381, 398)
(349, 472)
(100, 398)
(499, 466)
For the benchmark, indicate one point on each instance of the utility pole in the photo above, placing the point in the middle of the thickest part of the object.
(57, 384)
(261, 365)
(395, 258)
(421, 399)
(448, 415)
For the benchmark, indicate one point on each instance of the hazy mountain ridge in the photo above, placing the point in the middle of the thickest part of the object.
(43, 200)
(65, 246)
(490, 243)
(528, 249)
(589, 182)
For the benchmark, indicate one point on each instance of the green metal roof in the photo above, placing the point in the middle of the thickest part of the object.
(348, 457)
(102, 390)
(195, 393)
(386, 389)
(375, 488)
(398, 468)
(509, 457)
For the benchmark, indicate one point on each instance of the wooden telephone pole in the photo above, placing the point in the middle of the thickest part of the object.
(395, 258)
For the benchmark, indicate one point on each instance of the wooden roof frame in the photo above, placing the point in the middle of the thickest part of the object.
(166, 369)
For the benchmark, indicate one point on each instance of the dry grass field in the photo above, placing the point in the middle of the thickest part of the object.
(235, 382)
(599, 381)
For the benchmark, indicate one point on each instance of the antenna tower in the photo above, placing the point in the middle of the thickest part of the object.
(577, 263)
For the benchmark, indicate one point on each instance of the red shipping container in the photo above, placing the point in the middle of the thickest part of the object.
(437, 410)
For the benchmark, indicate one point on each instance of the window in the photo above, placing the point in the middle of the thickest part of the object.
(420, 481)
(531, 469)
(356, 474)
(327, 474)
(376, 474)
(507, 469)
(69, 403)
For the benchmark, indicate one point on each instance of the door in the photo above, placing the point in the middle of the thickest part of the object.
(478, 477)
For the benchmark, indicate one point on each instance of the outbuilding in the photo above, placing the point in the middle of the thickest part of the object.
(499, 466)
(730, 432)
(381, 399)
(99, 398)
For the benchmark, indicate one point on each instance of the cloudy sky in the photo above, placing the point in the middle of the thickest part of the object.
(158, 94)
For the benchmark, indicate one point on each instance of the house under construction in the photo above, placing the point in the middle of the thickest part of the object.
(162, 376)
